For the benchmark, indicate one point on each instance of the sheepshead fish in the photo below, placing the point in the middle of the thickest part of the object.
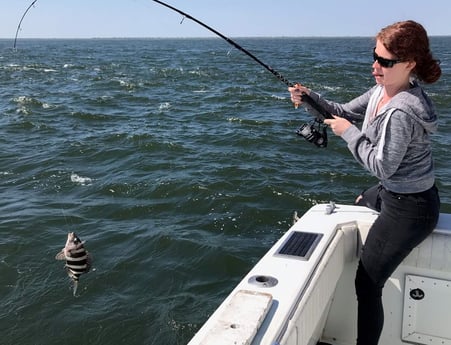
(78, 260)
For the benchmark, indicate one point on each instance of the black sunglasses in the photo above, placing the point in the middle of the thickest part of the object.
(387, 63)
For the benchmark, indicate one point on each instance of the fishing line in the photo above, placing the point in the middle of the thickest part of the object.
(20, 22)
(314, 132)
(314, 107)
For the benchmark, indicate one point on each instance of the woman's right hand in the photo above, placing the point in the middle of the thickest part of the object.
(296, 92)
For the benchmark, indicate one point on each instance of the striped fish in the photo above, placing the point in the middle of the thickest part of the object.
(78, 260)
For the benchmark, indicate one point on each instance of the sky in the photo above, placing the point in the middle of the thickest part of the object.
(233, 18)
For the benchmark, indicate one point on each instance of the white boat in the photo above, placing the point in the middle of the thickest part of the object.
(302, 291)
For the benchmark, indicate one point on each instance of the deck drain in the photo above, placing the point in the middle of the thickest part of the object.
(263, 281)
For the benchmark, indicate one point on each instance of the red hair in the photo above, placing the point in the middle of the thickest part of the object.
(408, 40)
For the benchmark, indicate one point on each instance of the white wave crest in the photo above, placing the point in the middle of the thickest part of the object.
(80, 180)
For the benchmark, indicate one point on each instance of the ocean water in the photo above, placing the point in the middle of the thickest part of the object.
(176, 160)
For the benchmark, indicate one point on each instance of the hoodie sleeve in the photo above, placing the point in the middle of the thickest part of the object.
(396, 136)
(353, 111)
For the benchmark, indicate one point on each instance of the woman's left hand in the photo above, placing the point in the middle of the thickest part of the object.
(338, 125)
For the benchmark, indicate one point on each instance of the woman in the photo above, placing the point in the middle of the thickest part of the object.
(393, 145)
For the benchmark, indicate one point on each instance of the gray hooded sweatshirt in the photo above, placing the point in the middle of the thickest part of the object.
(394, 144)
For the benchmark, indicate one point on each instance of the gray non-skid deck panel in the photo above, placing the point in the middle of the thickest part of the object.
(300, 244)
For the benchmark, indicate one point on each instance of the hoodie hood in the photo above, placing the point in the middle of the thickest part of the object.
(417, 104)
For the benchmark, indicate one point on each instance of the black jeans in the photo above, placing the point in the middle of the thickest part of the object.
(405, 220)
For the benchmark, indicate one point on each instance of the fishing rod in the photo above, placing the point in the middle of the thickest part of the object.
(20, 22)
(316, 132)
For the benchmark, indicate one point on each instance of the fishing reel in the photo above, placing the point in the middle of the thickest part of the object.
(314, 132)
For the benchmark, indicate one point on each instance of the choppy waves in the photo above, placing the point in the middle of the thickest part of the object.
(175, 160)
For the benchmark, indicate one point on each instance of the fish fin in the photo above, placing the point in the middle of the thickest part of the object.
(88, 261)
(75, 286)
(60, 255)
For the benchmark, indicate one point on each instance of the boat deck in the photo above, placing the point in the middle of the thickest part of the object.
(302, 291)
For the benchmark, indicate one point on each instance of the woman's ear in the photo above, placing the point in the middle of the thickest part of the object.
(411, 65)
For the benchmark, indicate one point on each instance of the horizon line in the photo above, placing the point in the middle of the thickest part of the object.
(192, 37)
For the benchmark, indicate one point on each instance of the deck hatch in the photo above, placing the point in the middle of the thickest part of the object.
(300, 244)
